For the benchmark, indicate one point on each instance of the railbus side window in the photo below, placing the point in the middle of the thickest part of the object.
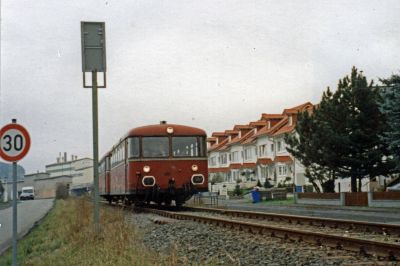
(107, 163)
(202, 146)
(133, 147)
(155, 147)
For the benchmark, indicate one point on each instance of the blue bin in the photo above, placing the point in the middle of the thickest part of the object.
(256, 196)
(298, 189)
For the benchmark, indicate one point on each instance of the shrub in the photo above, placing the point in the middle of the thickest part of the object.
(267, 184)
(237, 191)
(62, 191)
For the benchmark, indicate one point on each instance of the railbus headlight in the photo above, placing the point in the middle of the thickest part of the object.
(146, 168)
(197, 179)
(148, 181)
(195, 168)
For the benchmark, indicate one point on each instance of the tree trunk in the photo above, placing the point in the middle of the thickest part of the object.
(315, 185)
(353, 184)
(359, 184)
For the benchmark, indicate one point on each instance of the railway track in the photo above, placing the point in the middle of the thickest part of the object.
(293, 229)
(348, 225)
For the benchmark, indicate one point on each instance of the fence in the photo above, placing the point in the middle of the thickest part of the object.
(210, 199)
(371, 199)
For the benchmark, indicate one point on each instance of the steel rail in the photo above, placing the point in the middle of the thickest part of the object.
(381, 228)
(363, 246)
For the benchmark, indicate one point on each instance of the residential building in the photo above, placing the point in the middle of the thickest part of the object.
(257, 151)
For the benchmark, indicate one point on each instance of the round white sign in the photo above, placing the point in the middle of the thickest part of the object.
(14, 142)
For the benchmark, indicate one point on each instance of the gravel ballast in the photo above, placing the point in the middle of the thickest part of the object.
(196, 243)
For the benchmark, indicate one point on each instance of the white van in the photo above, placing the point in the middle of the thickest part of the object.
(27, 193)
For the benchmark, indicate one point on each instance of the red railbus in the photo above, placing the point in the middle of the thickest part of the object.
(157, 163)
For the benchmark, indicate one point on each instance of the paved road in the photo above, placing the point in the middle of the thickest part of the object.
(379, 215)
(29, 212)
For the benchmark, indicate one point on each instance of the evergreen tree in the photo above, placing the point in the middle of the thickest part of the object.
(343, 136)
(391, 108)
(307, 145)
(358, 140)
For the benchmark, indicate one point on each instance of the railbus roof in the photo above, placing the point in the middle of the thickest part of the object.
(161, 130)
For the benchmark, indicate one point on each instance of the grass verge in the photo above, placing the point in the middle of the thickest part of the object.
(66, 237)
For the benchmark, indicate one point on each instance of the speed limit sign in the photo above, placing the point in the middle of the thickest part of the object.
(14, 142)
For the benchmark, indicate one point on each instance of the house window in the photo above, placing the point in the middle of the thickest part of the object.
(262, 150)
(247, 153)
(272, 147)
(213, 161)
(279, 145)
(264, 172)
(224, 158)
(282, 170)
(235, 156)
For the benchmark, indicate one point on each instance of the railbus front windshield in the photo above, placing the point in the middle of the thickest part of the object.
(155, 147)
(187, 147)
(159, 147)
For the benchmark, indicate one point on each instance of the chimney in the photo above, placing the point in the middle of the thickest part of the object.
(163, 122)
(65, 156)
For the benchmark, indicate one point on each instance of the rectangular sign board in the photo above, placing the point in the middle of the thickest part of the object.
(93, 37)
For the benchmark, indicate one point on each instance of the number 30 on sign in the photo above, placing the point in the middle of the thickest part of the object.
(14, 142)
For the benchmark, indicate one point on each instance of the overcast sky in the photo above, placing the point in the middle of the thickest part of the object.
(209, 64)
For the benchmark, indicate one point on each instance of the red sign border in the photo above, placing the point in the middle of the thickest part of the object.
(27, 139)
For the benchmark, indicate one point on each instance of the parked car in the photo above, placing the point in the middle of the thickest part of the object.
(394, 188)
(28, 193)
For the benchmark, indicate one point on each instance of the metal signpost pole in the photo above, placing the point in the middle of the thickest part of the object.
(93, 41)
(15, 194)
(14, 145)
(14, 237)
(95, 151)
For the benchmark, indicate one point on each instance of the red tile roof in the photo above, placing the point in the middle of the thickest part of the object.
(248, 138)
(218, 170)
(285, 129)
(264, 161)
(299, 108)
(269, 131)
(218, 134)
(219, 145)
(238, 127)
(265, 116)
(258, 123)
(283, 159)
(242, 139)
(234, 141)
(235, 165)
(248, 165)
(232, 132)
